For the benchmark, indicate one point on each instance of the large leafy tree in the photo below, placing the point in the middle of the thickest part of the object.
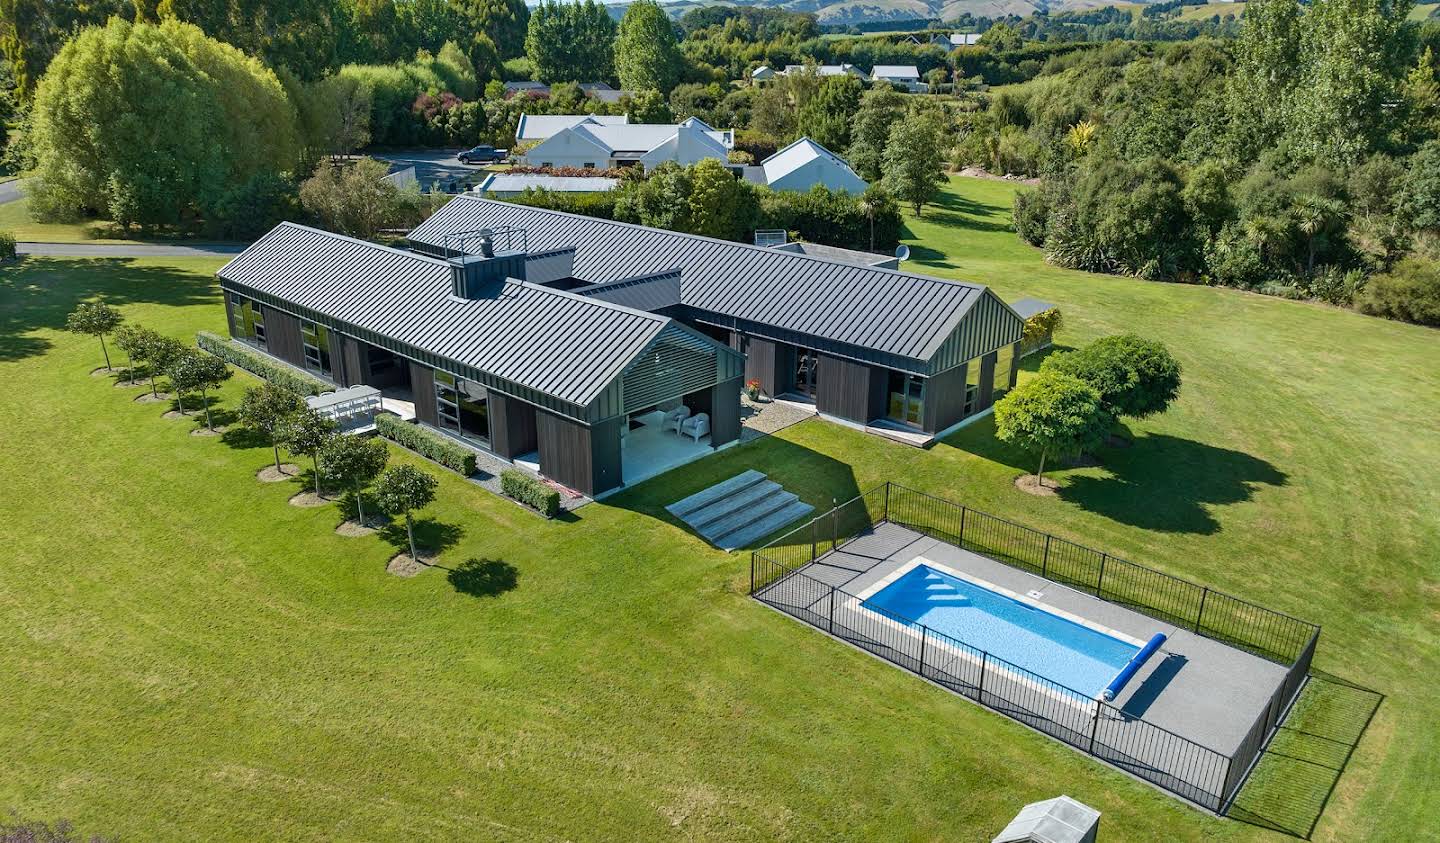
(351, 199)
(95, 319)
(32, 31)
(720, 205)
(1133, 376)
(646, 52)
(402, 490)
(195, 371)
(827, 116)
(1052, 414)
(880, 109)
(265, 408)
(1265, 74)
(1354, 62)
(146, 124)
(571, 42)
(913, 165)
(354, 462)
(504, 21)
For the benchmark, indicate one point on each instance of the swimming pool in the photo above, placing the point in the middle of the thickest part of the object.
(1040, 641)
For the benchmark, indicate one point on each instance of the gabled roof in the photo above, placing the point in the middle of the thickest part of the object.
(806, 151)
(556, 343)
(643, 137)
(894, 313)
(828, 70)
(964, 39)
(895, 71)
(1025, 308)
(541, 126)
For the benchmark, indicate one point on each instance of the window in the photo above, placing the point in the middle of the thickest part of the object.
(589, 165)
(547, 164)
(462, 407)
(1004, 365)
(249, 320)
(316, 339)
(907, 398)
(972, 386)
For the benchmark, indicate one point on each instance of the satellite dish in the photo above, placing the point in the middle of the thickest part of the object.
(902, 252)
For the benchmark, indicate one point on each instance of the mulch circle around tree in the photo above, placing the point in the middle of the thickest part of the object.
(403, 565)
(1026, 483)
(352, 528)
(268, 474)
(309, 500)
(102, 372)
(124, 384)
(205, 431)
(173, 415)
(148, 398)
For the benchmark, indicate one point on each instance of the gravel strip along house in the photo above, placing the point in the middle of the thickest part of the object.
(601, 353)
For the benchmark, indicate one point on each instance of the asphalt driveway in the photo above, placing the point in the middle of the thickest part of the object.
(432, 165)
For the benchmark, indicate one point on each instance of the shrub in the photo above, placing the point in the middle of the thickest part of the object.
(257, 364)
(531, 492)
(7, 246)
(1410, 292)
(429, 444)
(254, 207)
(601, 205)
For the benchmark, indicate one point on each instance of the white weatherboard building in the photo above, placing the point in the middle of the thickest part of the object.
(905, 76)
(804, 164)
(594, 144)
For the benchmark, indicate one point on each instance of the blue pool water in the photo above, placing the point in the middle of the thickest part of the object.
(1041, 642)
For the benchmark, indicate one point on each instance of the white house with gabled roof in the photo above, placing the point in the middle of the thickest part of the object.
(804, 164)
(595, 145)
(903, 76)
(538, 127)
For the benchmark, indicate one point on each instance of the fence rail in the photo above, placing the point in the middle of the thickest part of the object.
(1172, 761)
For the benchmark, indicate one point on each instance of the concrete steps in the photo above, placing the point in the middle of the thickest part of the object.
(739, 511)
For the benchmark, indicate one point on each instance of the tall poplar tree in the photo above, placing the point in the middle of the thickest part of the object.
(646, 53)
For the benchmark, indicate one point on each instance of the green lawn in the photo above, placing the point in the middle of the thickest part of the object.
(15, 218)
(187, 656)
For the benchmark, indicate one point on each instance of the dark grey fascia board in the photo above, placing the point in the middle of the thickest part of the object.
(846, 351)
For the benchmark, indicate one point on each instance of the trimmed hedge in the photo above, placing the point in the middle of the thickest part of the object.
(257, 364)
(452, 455)
(531, 492)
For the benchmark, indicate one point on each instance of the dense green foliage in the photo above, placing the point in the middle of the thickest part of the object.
(571, 41)
(307, 432)
(913, 163)
(1133, 376)
(195, 371)
(237, 354)
(504, 22)
(401, 490)
(434, 446)
(95, 319)
(1410, 291)
(147, 124)
(1053, 414)
(354, 462)
(647, 56)
(354, 199)
(264, 408)
(531, 492)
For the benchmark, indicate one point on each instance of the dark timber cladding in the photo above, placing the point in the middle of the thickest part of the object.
(282, 337)
(586, 458)
(851, 390)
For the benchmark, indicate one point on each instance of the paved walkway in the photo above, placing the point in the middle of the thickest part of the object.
(10, 191)
(129, 250)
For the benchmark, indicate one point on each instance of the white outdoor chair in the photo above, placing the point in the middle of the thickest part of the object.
(696, 426)
(674, 419)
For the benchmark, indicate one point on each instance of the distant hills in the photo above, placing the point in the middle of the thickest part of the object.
(874, 11)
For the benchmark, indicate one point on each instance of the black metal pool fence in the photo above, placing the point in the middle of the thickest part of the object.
(1174, 762)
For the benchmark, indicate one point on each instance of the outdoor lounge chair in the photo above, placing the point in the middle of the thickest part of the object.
(674, 419)
(696, 426)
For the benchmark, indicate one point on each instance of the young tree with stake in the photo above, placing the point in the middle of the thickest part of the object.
(355, 462)
(265, 408)
(158, 353)
(128, 339)
(1049, 414)
(403, 489)
(307, 432)
(95, 319)
(197, 370)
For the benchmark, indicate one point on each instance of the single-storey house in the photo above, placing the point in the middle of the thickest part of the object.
(538, 127)
(589, 143)
(502, 185)
(904, 76)
(804, 164)
(762, 74)
(526, 86)
(572, 343)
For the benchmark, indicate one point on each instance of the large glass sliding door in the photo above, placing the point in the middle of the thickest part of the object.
(907, 398)
(462, 407)
(249, 320)
(806, 370)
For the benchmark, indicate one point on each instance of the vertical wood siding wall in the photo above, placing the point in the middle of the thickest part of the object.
(422, 387)
(512, 426)
(282, 337)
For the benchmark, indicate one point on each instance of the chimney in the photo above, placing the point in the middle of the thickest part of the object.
(483, 276)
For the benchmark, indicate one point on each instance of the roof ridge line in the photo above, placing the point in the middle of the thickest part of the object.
(409, 253)
(653, 317)
(794, 255)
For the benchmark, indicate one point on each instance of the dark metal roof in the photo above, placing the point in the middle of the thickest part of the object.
(648, 292)
(1025, 308)
(888, 311)
(557, 343)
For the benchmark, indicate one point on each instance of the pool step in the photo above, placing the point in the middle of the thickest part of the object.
(747, 507)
